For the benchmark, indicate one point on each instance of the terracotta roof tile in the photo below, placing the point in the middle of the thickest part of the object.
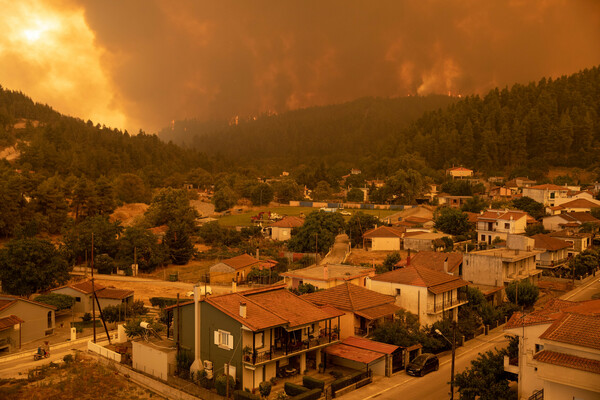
(112, 293)
(435, 260)
(435, 281)
(568, 360)
(289, 222)
(369, 344)
(7, 300)
(549, 186)
(377, 312)
(383, 231)
(240, 262)
(85, 286)
(549, 243)
(356, 354)
(5, 303)
(349, 297)
(580, 203)
(9, 322)
(502, 215)
(575, 329)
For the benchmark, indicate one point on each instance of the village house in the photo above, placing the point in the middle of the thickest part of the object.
(424, 241)
(383, 238)
(517, 184)
(448, 262)
(548, 194)
(500, 193)
(363, 309)
(568, 220)
(451, 201)
(496, 268)
(233, 269)
(82, 292)
(576, 205)
(326, 276)
(578, 241)
(29, 320)
(431, 295)
(555, 251)
(498, 224)
(282, 229)
(559, 351)
(459, 172)
(256, 335)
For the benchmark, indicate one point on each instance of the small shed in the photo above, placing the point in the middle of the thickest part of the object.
(361, 353)
(154, 357)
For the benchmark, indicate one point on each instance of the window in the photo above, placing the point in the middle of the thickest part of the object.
(49, 319)
(398, 291)
(78, 299)
(539, 347)
(483, 238)
(506, 225)
(224, 339)
(259, 339)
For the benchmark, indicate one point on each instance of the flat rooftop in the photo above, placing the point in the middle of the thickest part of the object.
(507, 254)
(334, 271)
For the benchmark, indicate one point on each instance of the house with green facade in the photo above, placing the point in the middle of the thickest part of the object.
(257, 334)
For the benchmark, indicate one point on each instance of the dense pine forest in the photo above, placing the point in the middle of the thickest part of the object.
(527, 128)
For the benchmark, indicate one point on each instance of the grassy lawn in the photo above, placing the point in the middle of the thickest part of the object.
(244, 219)
(192, 272)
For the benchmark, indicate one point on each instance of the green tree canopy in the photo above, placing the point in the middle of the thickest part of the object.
(287, 190)
(58, 300)
(530, 206)
(523, 293)
(319, 229)
(358, 224)
(169, 206)
(143, 244)
(179, 245)
(485, 380)
(355, 195)
(224, 199)
(78, 239)
(451, 221)
(31, 265)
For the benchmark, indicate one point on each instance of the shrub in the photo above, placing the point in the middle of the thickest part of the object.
(87, 317)
(313, 383)
(221, 384)
(163, 302)
(265, 388)
(313, 394)
(291, 389)
(68, 358)
(243, 395)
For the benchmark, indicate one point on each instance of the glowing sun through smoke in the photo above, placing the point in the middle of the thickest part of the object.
(49, 54)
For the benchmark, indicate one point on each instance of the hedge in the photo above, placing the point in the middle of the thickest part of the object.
(346, 381)
(312, 394)
(313, 383)
(291, 389)
(243, 395)
(163, 302)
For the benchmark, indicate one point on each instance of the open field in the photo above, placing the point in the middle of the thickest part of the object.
(243, 219)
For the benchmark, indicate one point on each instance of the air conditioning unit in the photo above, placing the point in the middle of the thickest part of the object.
(208, 367)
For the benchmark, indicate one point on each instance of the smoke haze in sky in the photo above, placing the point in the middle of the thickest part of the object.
(142, 63)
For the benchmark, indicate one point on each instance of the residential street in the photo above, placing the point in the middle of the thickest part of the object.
(338, 251)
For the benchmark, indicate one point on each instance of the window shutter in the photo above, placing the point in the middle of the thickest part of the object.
(230, 341)
(217, 338)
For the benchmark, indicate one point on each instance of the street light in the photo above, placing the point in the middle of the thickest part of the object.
(453, 344)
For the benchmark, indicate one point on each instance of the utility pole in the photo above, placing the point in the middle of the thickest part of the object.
(93, 292)
(316, 248)
(453, 360)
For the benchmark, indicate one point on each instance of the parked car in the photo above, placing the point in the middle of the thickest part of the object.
(347, 213)
(423, 364)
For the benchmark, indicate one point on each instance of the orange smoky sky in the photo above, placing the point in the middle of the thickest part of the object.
(142, 63)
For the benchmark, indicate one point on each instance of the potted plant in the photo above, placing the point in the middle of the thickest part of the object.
(247, 351)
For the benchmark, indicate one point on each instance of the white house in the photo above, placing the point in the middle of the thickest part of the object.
(568, 220)
(559, 351)
(555, 251)
(548, 194)
(459, 172)
(82, 292)
(383, 238)
(431, 295)
(282, 229)
(493, 224)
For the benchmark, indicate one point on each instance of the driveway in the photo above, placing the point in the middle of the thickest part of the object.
(338, 252)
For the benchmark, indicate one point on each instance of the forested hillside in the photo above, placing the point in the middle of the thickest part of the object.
(334, 132)
(549, 123)
(51, 143)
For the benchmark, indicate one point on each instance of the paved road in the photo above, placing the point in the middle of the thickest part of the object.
(585, 291)
(435, 384)
(340, 248)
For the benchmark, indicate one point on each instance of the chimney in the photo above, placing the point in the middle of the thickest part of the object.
(446, 265)
(325, 272)
(257, 254)
(408, 258)
(243, 309)
(233, 286)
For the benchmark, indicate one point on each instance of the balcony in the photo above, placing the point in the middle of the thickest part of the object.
(438, 306)
(360, 331)
(284, 349)
(511, 364)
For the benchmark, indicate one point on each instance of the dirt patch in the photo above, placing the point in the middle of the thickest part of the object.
(10, 153)
(361, 256)
(83, 378)
(128, 214)
(204, 209)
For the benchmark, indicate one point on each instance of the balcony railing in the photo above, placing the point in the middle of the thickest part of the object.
(439, 306)
(360, 331)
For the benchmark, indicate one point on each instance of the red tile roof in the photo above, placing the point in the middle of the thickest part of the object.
(502, 214)
(575, 329)
(349, 297)
(549, 186)
(549, 243)
(85, 286)
(289, 222)
(383, 231)
(271, 306)
(369, 344)
(374, 313)
(435, 281)
(435, 260)
(240, 262)
(356, 354)
(579, 203)
(7, 300)
(113, 293)
(568, 360)
(9, 322)
(460, 169)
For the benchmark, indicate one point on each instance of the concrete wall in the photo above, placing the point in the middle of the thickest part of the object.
(412, 298)
(9, 339)
(551, 223)
(557, 391)
(186, 336)
(387, 244)
(103, 351)
(152, 361)
(281, 234)
(222, 273)
(36, 324)
(481, 269)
